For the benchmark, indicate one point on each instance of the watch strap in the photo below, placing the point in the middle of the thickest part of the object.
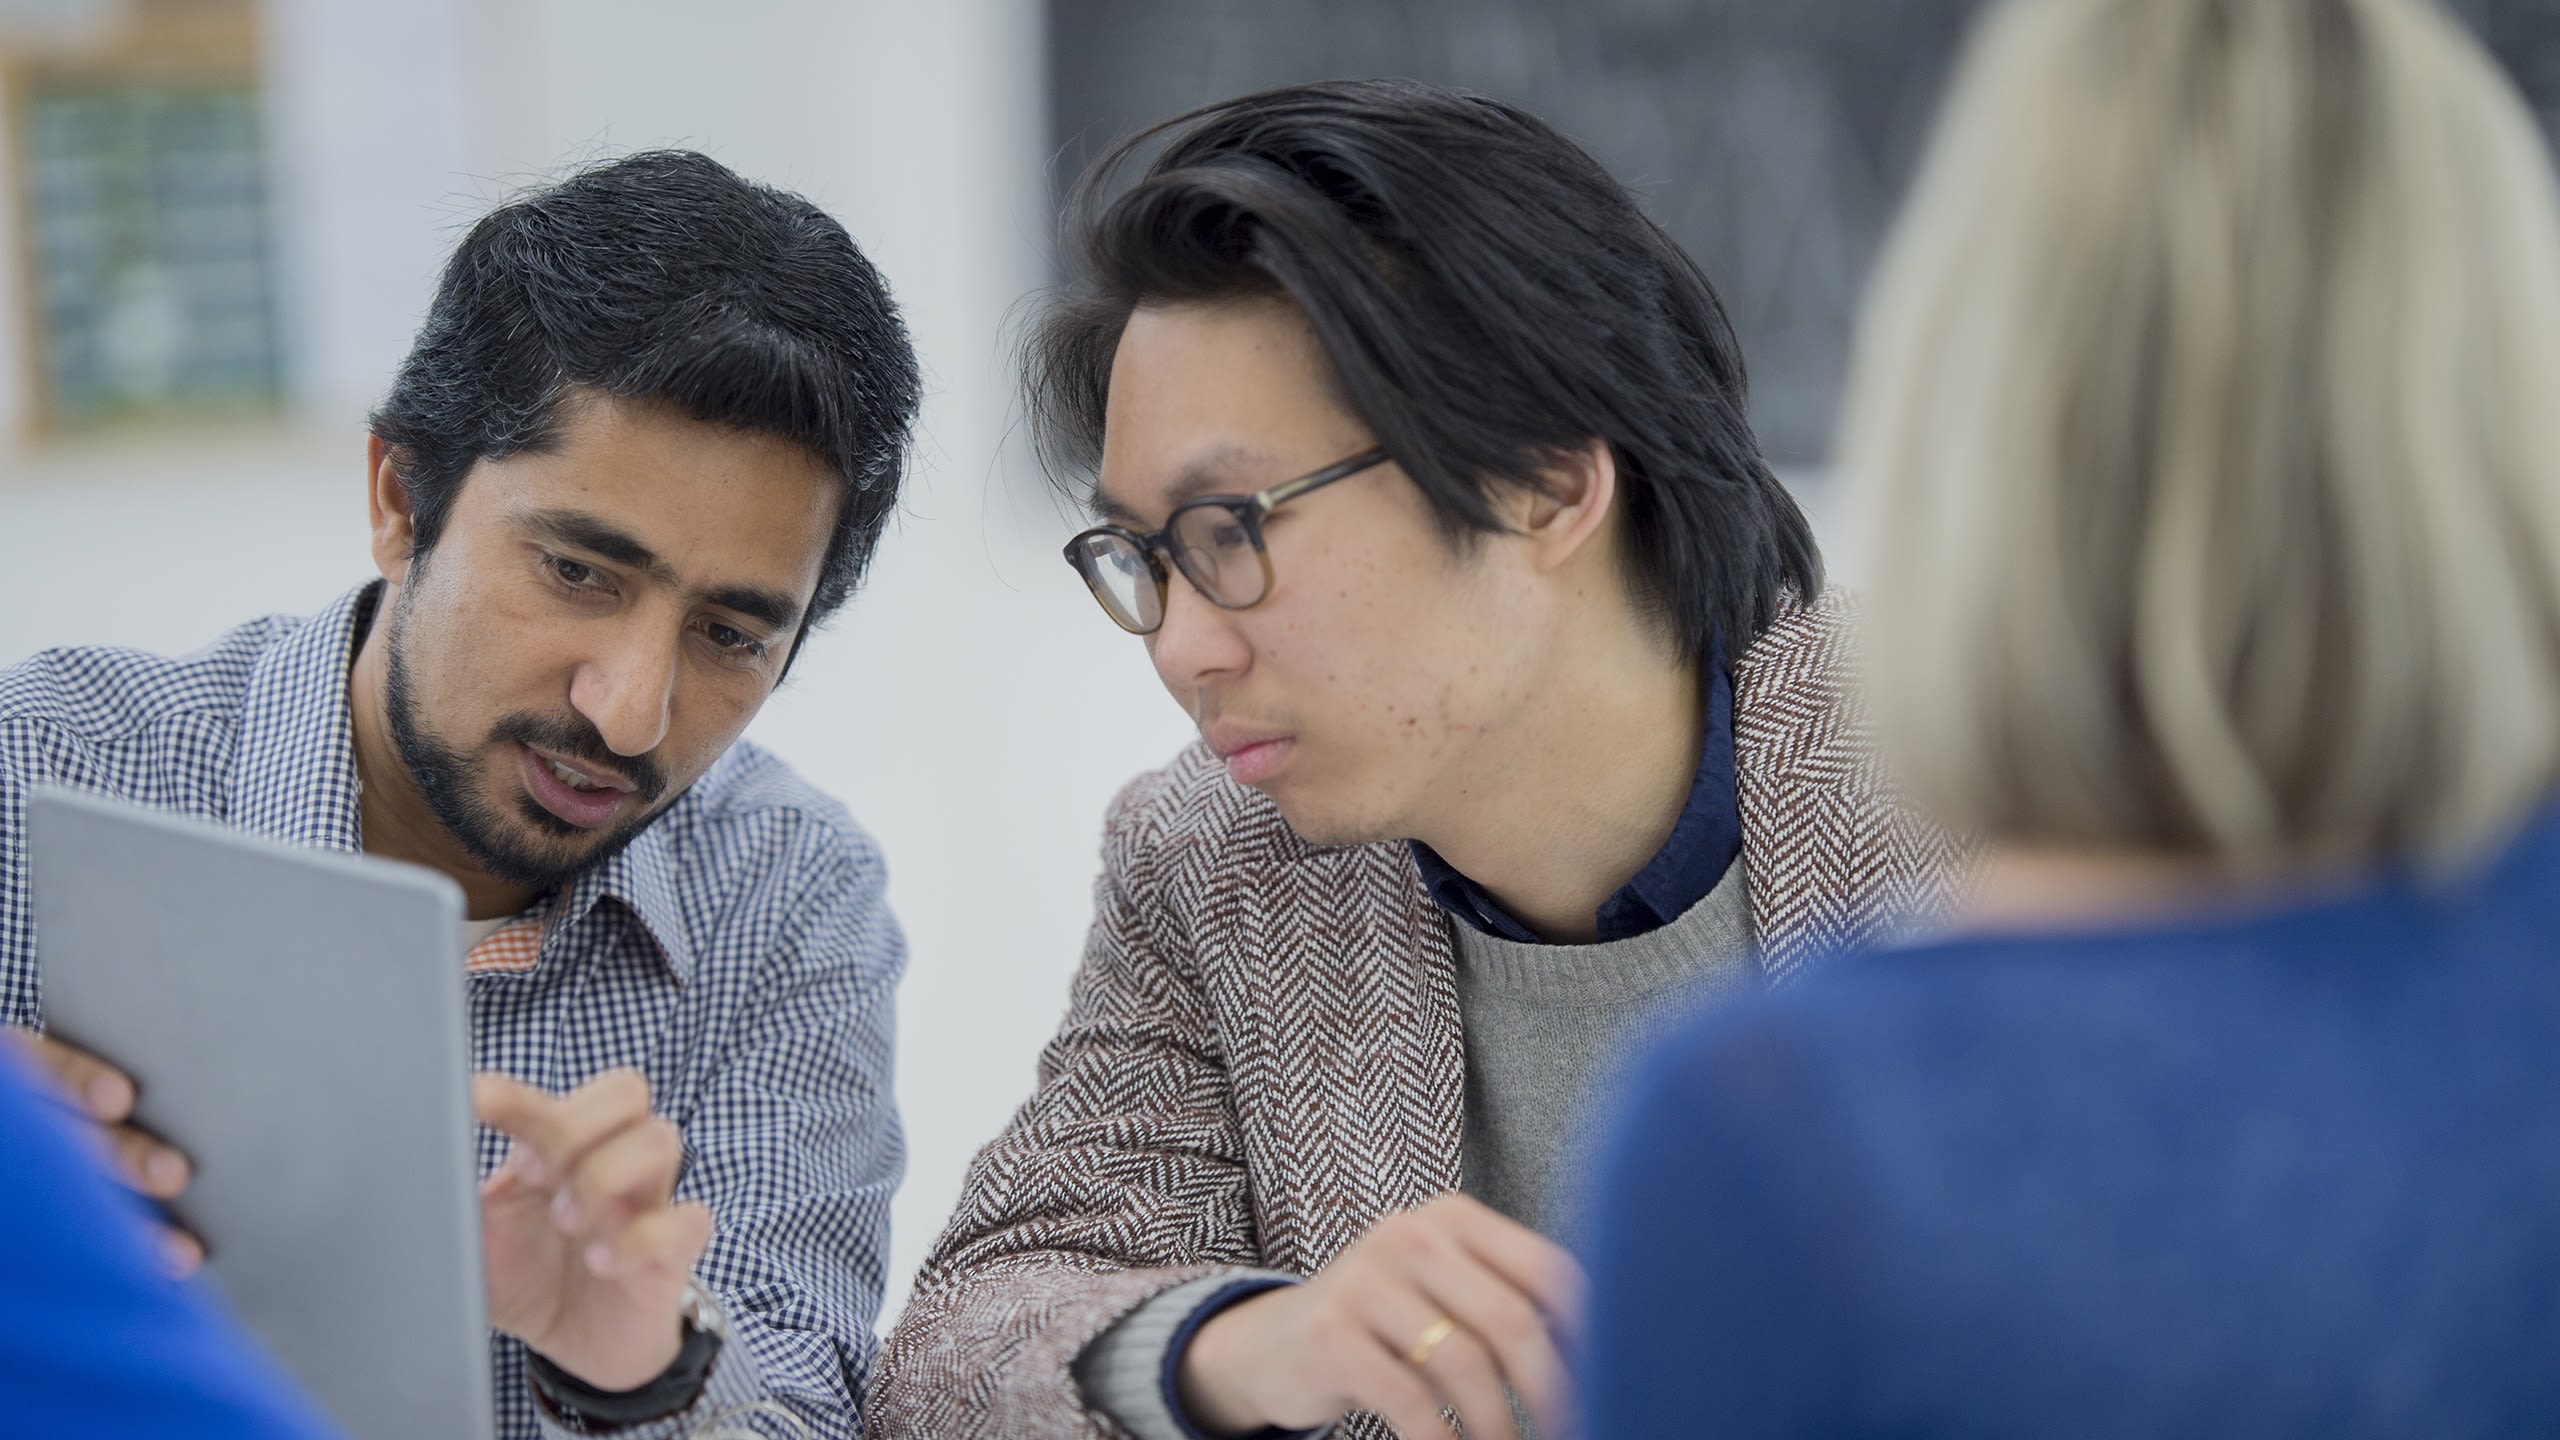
(582, 1409)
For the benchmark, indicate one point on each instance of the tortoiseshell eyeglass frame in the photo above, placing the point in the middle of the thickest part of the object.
(1160, 551)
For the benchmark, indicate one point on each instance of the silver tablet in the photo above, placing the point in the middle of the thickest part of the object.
(293, 1021)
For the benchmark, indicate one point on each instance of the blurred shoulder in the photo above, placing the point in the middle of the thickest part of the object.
(107, 693)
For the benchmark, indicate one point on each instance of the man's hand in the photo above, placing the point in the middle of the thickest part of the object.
(106, 1096)
(587, 1253)
(1441, 1305)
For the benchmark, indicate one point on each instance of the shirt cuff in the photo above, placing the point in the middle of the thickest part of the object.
(730, 1393)
(1129, 1371)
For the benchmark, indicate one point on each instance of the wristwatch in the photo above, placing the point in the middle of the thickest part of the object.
(582, 1409)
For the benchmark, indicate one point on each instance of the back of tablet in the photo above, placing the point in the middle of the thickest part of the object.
(294, 1022)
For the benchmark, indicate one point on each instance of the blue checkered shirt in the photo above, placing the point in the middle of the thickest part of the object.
(740, 954)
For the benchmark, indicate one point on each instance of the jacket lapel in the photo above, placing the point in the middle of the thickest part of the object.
(1835, 859)
(1348, 1066)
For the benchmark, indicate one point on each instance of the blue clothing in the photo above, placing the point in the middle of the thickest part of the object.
(95, 1338)
(739, 953)
(2295, 1173)
(1702, 845)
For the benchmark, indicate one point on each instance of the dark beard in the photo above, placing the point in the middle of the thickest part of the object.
(445, 777)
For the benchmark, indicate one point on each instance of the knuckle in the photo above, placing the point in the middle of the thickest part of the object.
(1408, 1237)
(1514, 1326)
(1468, 1362)
(1330, 1313)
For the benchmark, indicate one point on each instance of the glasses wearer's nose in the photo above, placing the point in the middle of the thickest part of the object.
(1215, 541)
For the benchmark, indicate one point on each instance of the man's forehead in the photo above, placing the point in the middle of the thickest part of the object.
(1223, 465)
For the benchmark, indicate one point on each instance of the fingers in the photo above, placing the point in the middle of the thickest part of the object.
(147, 1165)
(181, 1254)
(106, 1095)
(1394, 1390)
(101, 1091)
(667, 1242)
(1531, 1262)
(629, 1173)
(1506, 1289)
(608, 1166)
(1502, 1330)
(560, 1129)
(1459, 1369)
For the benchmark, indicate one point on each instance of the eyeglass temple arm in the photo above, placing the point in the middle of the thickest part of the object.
(1288, 490)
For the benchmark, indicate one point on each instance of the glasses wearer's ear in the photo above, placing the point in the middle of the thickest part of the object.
(1569, 503)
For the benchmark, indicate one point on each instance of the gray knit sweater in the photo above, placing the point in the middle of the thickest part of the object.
(1546, 1028)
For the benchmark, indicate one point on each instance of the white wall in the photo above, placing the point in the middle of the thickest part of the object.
(13, 351)
(972, 706)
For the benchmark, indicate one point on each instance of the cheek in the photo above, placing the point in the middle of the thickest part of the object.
(497, 654)
(1381, 659)
(710, 714)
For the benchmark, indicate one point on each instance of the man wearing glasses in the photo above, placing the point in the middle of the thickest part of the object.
(1425, 478)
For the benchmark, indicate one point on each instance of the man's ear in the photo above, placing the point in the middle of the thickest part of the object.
(1571, 505)
(387, 514)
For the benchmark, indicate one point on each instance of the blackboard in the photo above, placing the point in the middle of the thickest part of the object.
(1773, 137)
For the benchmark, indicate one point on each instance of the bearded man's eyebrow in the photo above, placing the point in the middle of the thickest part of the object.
(597, 536)
(770, 608)
(583, 530)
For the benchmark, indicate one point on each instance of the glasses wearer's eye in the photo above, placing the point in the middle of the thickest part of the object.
(1215, 541)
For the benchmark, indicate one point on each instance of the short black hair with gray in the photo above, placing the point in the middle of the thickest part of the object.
(664, 277)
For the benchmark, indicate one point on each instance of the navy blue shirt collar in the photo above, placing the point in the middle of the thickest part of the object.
(1703, 844)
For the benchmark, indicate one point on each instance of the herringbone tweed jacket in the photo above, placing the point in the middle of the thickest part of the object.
(1261, 1054)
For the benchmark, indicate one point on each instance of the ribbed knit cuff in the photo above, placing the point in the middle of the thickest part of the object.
(1129, 1371)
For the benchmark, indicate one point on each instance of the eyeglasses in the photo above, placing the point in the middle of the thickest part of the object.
(1215, 541)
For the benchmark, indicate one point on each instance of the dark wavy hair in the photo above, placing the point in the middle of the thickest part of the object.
(1490, 299)
(662, 276)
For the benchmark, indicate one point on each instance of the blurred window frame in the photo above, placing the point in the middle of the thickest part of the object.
(203, 47)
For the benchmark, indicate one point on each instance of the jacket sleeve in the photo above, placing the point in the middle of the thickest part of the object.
(1122, 1177)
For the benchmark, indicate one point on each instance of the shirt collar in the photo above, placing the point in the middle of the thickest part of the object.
(1702, 845)
(642, 879)
(294, 776)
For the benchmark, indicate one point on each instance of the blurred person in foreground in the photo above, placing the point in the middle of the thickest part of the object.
(647, 438)
(96, 1337)
(1425, 476)
(2204, 411)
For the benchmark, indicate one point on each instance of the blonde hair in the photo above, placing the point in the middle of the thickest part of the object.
(2206, 419)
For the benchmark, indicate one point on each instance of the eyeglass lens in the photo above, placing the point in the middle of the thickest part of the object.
(1120, 578)
(1216, 551)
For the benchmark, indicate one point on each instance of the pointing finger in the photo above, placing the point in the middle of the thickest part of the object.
(561, 1128)
(669, 1241)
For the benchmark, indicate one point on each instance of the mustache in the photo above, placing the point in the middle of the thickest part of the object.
(572, 738)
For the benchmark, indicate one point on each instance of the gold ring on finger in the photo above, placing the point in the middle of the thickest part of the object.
(1429, 1340)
